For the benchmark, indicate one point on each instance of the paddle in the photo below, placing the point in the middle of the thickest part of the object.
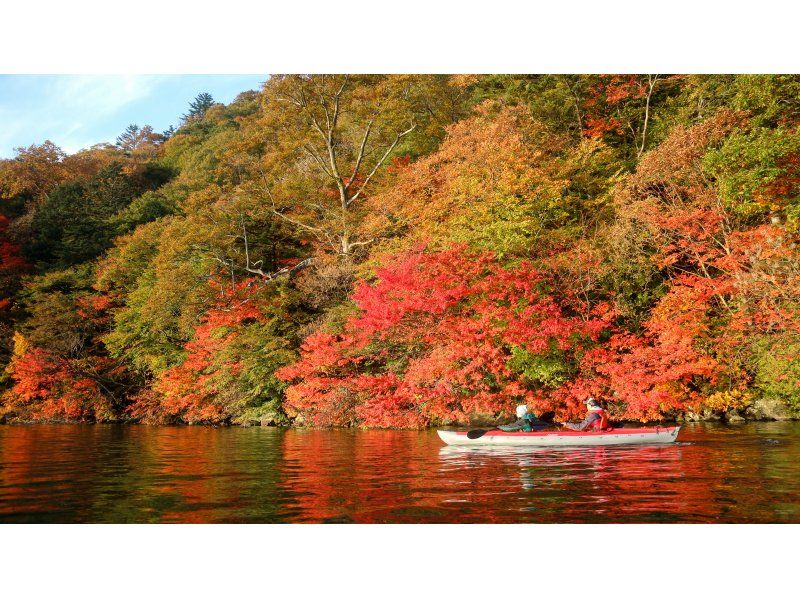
(545, 417)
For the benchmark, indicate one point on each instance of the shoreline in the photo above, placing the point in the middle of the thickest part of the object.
(696, 418)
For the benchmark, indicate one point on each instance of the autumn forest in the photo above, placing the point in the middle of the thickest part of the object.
(414, 250)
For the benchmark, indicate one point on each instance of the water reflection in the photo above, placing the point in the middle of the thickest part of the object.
(188, 474)
(592, 484)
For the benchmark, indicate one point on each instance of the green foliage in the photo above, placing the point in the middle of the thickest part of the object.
(548, 370)
(508, 226)
(161, 306)
(777, 366)
(770, 100)
(199, 106)
(747, 163)
(204, 151)
(145, 333)
(631, 273)
(552, 99)
(74, 223)
(54, 321)
(260, 349)
(145, 208)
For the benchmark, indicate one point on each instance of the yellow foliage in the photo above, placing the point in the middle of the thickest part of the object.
(464, 80)
(21, 345)
(728, 399)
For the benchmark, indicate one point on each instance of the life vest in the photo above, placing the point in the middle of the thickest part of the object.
(529, 421)
(600, 424)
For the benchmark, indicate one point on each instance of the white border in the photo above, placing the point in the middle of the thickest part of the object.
(149, 36)
(408, 561)
(239, 36)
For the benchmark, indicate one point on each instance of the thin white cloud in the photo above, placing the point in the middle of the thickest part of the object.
(101, 94)
(66, 106)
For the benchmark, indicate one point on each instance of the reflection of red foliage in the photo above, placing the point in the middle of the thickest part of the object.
(187, 459)
(199, 474)
(379, 476)
(383, 469)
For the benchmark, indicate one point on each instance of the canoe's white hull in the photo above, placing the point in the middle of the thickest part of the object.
(564, 438)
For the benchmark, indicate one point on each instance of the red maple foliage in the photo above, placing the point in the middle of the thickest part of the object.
(604, 97)
(50, 387)
(434, 341)
(10, 258)
(78, 383)
(12, 265)
(188, 392)
(724, 285)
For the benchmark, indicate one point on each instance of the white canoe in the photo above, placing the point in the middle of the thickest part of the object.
(564, 437)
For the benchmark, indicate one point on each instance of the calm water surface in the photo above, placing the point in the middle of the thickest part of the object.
(105, 473)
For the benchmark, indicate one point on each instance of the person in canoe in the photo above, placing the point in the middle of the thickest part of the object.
(596, 418)
(526, 422)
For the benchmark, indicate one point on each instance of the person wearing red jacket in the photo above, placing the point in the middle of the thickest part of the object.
(596, 419)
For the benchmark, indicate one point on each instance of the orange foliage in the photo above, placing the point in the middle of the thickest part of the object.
(604, 96)
(38, 168)
(497, 154)
(49, 387)
(725, 285)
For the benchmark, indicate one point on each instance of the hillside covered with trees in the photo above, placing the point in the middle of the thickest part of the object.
(407, 251)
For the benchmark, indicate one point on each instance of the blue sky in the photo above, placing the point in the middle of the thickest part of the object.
(77, 111)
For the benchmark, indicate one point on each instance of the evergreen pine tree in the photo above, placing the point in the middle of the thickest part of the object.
(198, 107)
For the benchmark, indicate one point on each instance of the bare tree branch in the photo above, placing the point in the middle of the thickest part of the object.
(360, 156)
(651, 79)
(360, 243)
(380, 162)
(311, 152)
(267, 276)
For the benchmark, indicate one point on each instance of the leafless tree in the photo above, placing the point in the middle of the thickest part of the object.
(319, 102)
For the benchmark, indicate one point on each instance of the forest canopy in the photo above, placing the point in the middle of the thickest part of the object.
(413, 250)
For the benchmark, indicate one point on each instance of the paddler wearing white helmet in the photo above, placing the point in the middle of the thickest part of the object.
(596, 418)
(525, 420)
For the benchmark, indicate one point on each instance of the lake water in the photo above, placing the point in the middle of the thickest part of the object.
(107, 473)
